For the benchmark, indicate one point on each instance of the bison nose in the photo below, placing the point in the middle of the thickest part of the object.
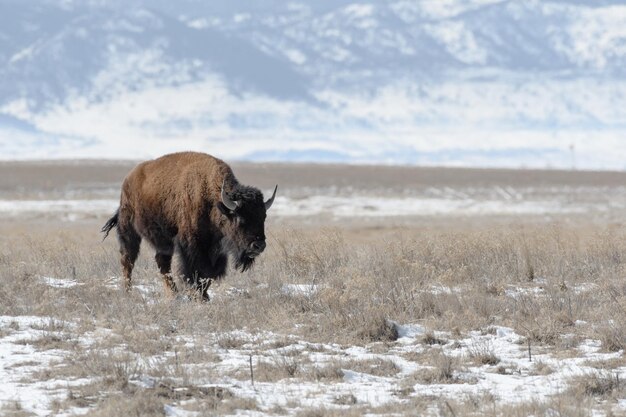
(258, 245)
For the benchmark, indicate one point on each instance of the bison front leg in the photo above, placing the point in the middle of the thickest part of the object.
(164, 261)
(207, 271)
(199, 269)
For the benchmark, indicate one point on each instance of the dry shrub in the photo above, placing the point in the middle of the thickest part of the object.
(376, 367)
(429, 338)
(279, 367)
(14, 409)
(114, 369)
(606, 364)
(325, 373)
(230, 341)
(174, 392)
(331, 412)
(612, 335)
(444, 369)
(569, 341)
(378, 329)
(481, 352)
(50, 341)
(141, 403)
(597, 384)
(347, 399)
(541, 368)
(479, 405)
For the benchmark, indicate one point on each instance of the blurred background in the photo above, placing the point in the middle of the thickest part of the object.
(475, 83)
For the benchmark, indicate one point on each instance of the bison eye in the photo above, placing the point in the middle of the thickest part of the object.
(240, 220)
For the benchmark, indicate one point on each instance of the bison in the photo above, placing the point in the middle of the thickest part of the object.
(189, 203)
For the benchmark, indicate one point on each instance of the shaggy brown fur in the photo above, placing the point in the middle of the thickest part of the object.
(175, 203)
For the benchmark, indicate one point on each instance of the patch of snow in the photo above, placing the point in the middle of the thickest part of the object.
(359, 377)
(585, 287)
(505, 332)
(18, 360)
(442, 289)
(410, 330)
(516, 385)
(13, 207)
(306, 290)
(517, 292)
(171, 411)
(361, 206)
(60, 282)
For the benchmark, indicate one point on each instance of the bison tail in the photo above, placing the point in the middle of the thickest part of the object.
(110, 224)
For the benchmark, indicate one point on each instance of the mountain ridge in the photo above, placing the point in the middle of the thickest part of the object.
(295, 77)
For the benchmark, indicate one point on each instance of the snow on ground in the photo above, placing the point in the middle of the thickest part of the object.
(305, 290)
(512, 378)
(340, 207)
(19, 359)
(59, 282)
(70, 209)
(361, 206)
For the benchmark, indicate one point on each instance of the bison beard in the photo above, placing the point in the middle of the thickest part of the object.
(243, 261)
(192, 204)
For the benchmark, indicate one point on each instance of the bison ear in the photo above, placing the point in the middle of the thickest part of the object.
(225, 210)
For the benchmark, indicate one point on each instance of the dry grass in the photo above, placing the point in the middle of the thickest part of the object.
(444, 369)
(376, 367)
(279, 367)
(14, 409)
(430, 339)
(482, 354)
(481, 405)
(458, 281)
(541, 368)
(599, 384)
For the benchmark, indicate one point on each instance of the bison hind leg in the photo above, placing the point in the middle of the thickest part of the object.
(130, 241)
(164, 262)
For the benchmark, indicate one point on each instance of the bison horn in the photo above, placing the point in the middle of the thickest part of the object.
(230, 204)
(269, 202)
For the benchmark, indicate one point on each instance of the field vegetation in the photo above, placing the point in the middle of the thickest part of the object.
(422, 320)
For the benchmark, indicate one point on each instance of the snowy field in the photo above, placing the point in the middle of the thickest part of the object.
(295, 374)
(310, 193)
(447, 293)
(336, 207)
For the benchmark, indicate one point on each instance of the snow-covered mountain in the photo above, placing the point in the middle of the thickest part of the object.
(457, 82)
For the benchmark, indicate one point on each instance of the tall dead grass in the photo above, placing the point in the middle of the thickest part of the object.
(542, 281)
(357, 290)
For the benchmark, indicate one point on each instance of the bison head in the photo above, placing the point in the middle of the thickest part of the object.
(244, 212)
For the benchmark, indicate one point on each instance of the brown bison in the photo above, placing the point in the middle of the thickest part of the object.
(190, 203)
